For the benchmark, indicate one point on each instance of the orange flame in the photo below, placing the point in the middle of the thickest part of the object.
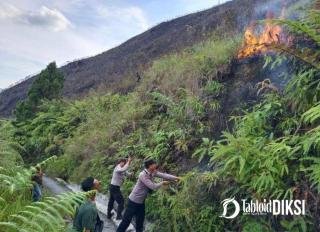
(255, 43)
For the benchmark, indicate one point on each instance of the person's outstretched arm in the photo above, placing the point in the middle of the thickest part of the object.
(149, 183)
(166, 176)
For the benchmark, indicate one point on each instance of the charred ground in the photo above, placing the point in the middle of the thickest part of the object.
(116, 68)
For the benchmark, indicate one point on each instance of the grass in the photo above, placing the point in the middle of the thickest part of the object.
(190, 68)
(270, 153)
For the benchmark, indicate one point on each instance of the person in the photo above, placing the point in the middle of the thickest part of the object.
(37, 184)
(138, 77)
(86, 218)
(144, 185)
(118, 176)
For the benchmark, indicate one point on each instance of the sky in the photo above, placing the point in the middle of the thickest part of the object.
(36, 32)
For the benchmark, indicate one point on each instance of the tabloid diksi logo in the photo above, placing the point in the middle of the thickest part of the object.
(226, 203)
(232, 208)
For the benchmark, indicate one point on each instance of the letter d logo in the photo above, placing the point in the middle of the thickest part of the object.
(225, 204)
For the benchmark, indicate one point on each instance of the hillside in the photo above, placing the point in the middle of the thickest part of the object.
(236, 116)
(123, 62)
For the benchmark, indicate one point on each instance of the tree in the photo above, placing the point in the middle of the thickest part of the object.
(47, 86)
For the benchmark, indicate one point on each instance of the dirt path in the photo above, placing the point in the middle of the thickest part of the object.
(56, 188)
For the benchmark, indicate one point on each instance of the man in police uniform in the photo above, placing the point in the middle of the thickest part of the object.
(117, 180)
(144, 185)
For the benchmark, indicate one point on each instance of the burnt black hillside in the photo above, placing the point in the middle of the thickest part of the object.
(122, 63)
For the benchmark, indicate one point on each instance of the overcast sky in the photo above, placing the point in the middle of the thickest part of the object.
(36, 32)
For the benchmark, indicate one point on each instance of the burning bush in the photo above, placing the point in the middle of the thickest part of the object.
(258, 38)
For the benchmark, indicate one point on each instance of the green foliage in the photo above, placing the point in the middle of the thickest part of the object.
(17, 213)
(307, 29)
(310, 142)
(47, 215)
(149, 123)
(9, 150)
(260, 166)
(44, 136)
(298, 224)
(313, 171)
(180, 210)
(254, 226)
(162, 145)
(190, 68)
(47, 86)
(213, 88)
(312, 115)
(271, 152)
(303, 90)
(16, 185)
(205, 149)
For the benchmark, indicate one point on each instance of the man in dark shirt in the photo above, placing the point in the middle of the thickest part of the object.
(87, 218)
(144, 185)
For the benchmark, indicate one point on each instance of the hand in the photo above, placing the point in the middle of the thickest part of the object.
(129, 159)
(130, 175)
(165, 183)
(178, 178)
(97, 184)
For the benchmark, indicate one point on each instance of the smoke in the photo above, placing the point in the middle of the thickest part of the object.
(259, 9)
(274, 6)
(290, 8)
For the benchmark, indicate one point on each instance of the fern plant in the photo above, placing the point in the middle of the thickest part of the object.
(47, 215)
(308, 28)
(313, 171)
(205, 149)
(17, 213)
(312, 115)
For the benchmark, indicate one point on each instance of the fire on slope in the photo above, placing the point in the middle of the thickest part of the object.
(257, 38)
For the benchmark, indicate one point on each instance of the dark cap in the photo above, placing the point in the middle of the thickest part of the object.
(87, 184)
(149, 162)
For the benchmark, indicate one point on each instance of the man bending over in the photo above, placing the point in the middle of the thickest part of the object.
(144, 185)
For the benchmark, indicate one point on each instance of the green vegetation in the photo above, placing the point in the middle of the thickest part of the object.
(52, 124)
(17, 212)
(191, 69)
(270, 153)
(9, 150)
(47, 86)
